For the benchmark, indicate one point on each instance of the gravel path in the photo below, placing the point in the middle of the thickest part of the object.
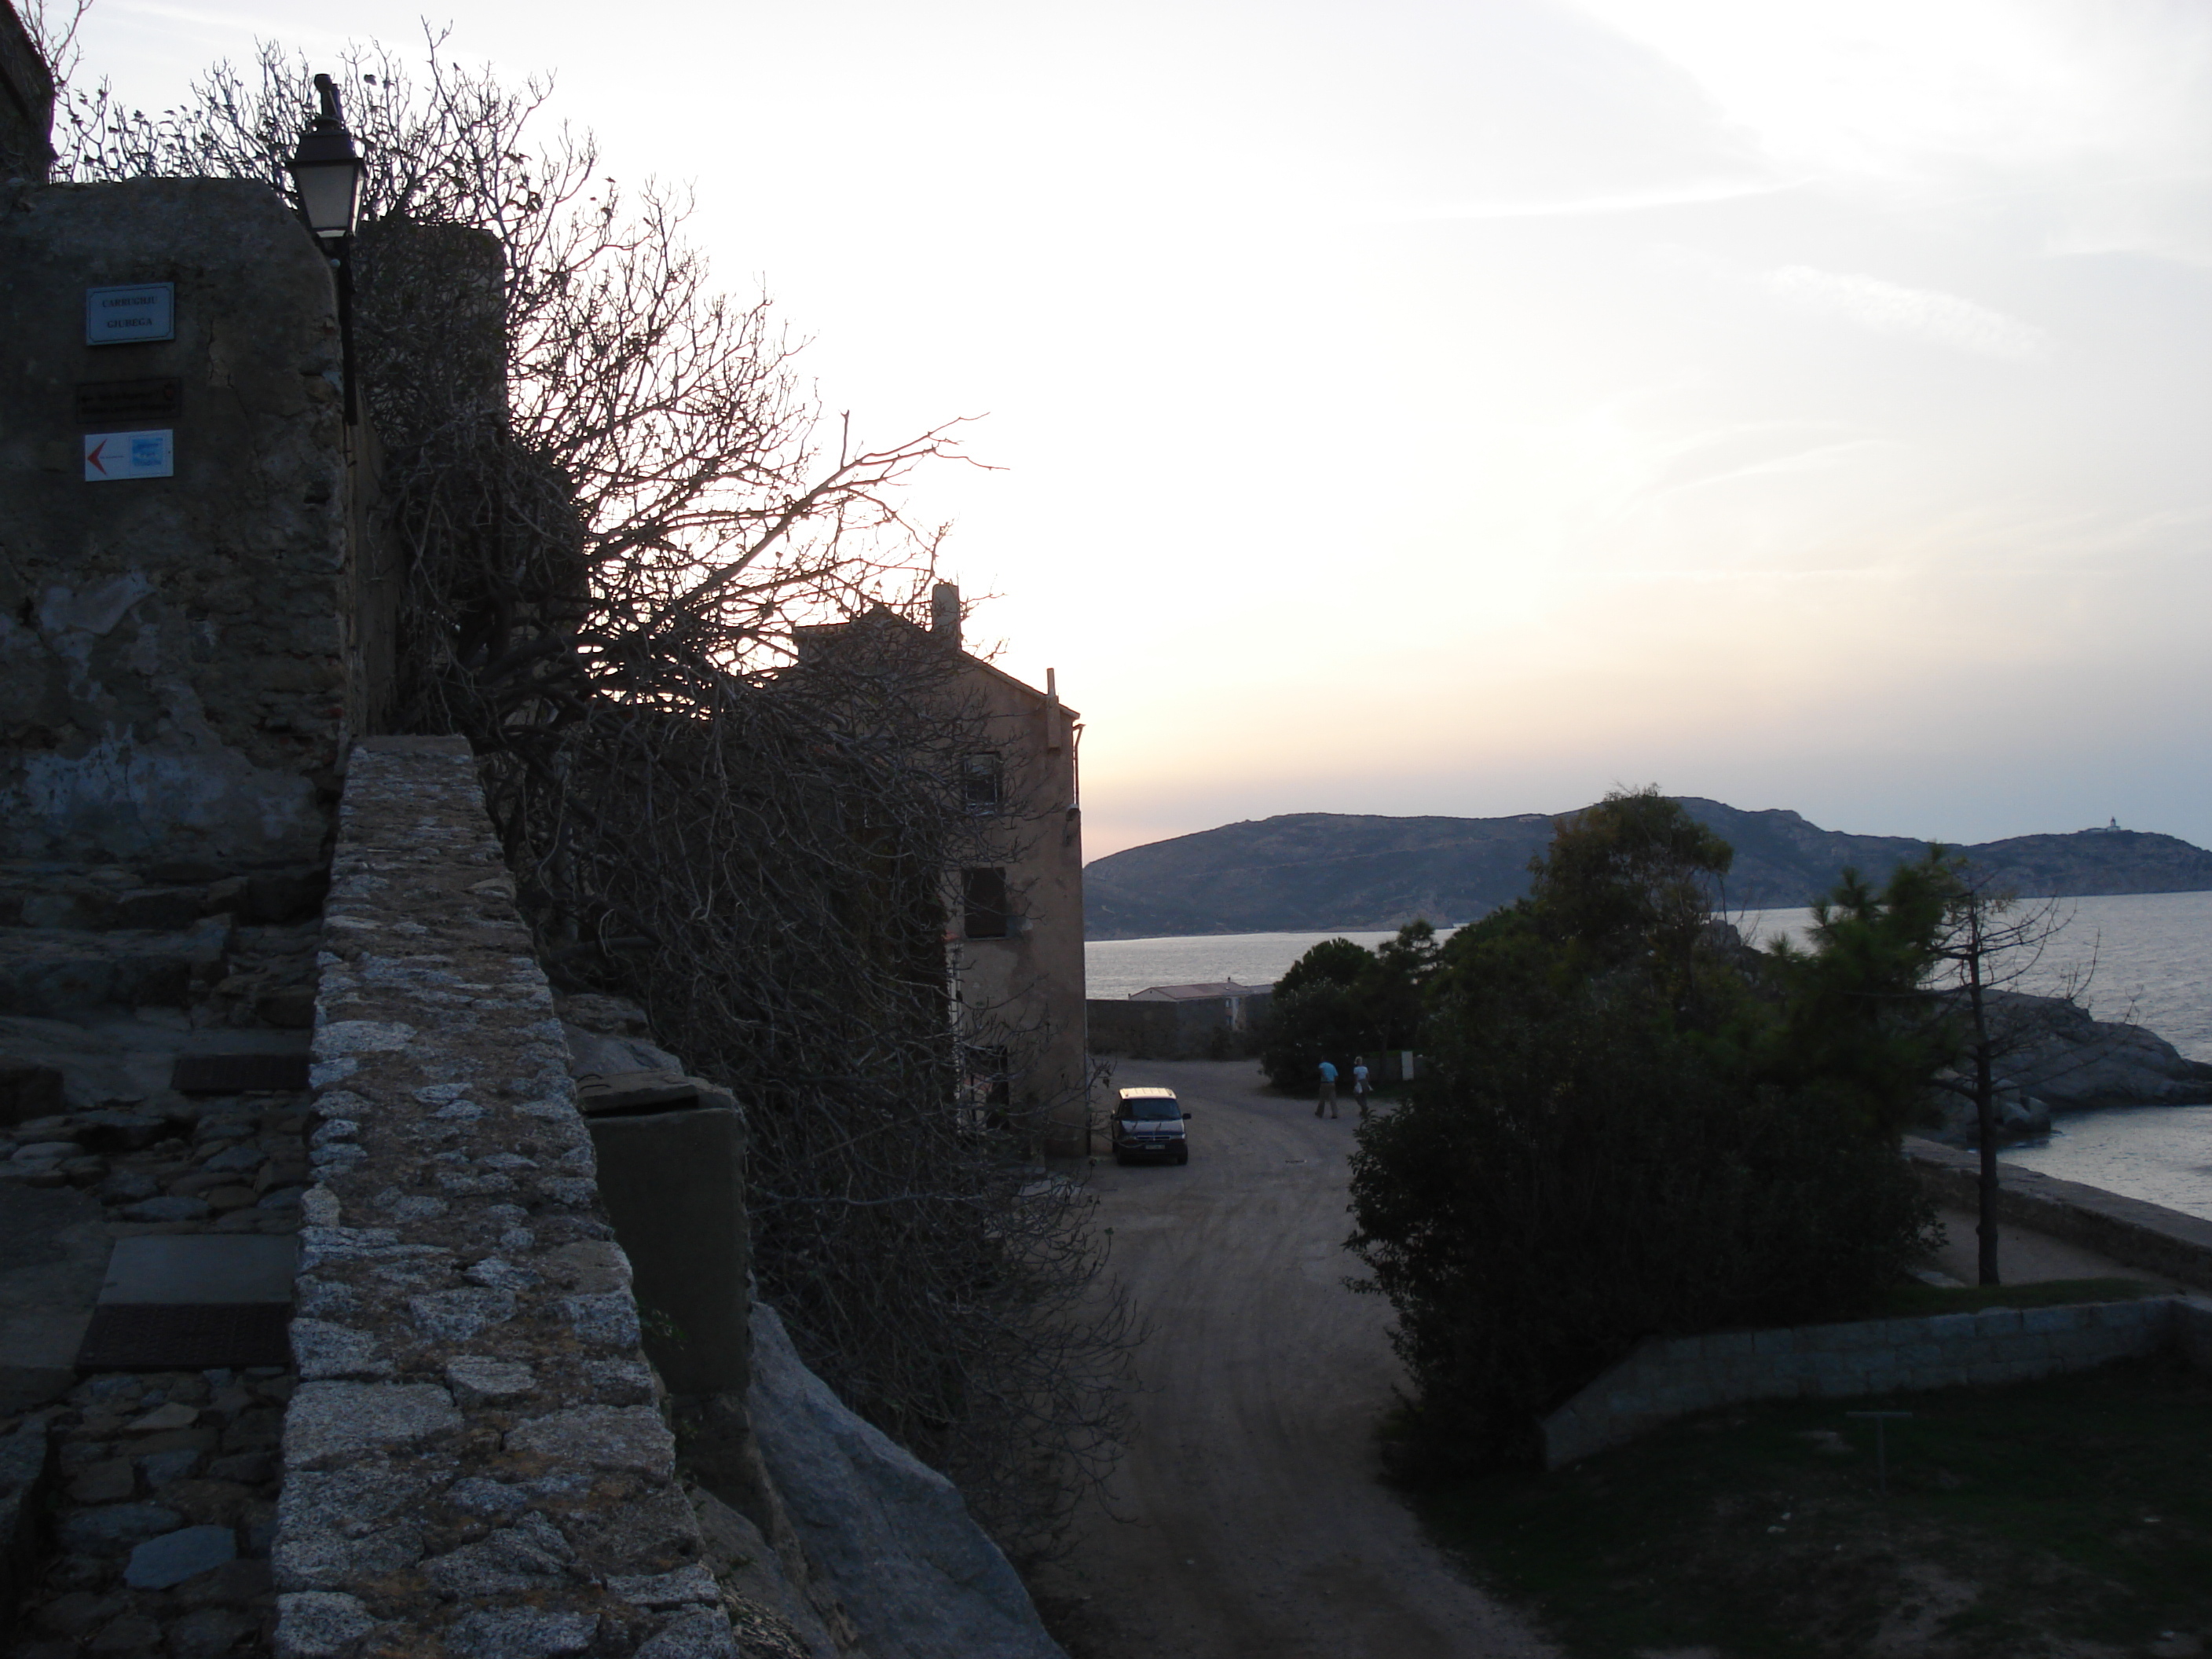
(1246, 1519)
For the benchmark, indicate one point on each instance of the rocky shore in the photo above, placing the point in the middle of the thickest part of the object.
(2054, 1057)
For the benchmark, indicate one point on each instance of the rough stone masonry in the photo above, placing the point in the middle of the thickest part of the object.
(181, 657)
(475, 1463)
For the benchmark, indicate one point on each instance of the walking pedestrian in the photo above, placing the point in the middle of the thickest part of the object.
(1327, 1091)
(1359, 1085)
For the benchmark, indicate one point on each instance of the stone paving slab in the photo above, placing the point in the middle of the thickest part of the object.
(201, 1268)
(53, 1251)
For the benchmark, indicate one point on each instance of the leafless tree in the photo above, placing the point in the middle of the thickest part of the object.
(618, 509)
(1989, 946)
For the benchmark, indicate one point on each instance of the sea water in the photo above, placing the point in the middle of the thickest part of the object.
(2141, 957)
(1116, 967)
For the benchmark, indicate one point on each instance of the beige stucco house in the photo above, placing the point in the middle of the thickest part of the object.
(1014, 908)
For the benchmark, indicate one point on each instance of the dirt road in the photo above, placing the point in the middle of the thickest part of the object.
(1247, 1522)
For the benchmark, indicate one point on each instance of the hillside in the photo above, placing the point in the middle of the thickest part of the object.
(1305, 872)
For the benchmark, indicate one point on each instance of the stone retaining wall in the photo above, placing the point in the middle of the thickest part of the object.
(2141, 1235)
(1664, 1380)
(475, 1460)
(1205, 1028)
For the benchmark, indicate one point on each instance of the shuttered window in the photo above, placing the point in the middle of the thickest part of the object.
(982, 785)
(983, 903)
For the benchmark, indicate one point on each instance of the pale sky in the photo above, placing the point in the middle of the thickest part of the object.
(1464, 408)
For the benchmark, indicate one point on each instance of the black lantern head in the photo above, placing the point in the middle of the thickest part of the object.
(327, 171)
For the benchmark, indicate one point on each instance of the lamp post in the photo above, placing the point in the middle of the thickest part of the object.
(327, 173)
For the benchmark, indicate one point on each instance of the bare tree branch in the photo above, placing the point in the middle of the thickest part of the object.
(619, 509)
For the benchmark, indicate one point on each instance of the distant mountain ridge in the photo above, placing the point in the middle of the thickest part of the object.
(1310, 871)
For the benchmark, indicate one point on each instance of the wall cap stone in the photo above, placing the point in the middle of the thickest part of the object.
(475, 1460)
(1667, 1378)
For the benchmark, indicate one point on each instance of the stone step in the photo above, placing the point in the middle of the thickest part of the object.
(48, 972)
(27, 1089)
(162, 898)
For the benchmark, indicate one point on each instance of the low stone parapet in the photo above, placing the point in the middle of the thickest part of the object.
(1673, 1377)
(2130, 1231)
(475, 1460)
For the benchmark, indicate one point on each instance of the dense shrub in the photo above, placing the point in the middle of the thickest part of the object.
(1617, 1135)
(1340, 1001)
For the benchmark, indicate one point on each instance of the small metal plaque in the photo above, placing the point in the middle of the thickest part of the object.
(128, 316)
(237, 1074)
(109, 456)
(128, 403)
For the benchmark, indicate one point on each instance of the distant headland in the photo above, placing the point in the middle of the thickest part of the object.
(1307, 871)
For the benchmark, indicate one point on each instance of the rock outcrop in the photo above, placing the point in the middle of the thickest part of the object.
(889, 1535)
(2052, 1056)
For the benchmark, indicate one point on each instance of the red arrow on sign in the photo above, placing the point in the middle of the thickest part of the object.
(93, 460)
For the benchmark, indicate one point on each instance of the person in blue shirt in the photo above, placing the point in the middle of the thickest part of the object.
(1327, 1091)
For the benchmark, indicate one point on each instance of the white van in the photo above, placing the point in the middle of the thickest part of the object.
(1148, 1123)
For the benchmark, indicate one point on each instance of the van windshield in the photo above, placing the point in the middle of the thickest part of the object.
(1151, 1110)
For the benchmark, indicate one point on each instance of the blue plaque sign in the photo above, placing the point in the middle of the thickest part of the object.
(124, 316)
(109, 456)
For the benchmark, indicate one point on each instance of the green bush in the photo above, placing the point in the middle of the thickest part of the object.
(1340, 1001)
(1614, 1137)
(1317, 1022)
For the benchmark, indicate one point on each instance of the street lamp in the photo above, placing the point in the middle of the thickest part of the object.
(327, 173)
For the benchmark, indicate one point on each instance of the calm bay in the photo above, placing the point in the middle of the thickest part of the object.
(2145, 957)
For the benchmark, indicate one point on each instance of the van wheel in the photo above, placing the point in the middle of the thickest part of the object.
(1184, 1156)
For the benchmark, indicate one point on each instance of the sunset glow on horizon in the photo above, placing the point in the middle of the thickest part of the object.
(1467, 408)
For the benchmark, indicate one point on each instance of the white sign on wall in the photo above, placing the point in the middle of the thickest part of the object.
(124, 316)
(112, 455)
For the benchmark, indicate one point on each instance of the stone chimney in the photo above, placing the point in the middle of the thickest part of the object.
(944, 613)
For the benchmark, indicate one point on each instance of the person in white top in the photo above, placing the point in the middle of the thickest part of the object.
(1359, 1083)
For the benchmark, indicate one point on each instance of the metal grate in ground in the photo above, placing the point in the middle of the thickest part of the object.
(237, 1074)
(160, 1336)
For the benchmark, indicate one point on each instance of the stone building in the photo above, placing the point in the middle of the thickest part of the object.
(26, 104)
(193, 614)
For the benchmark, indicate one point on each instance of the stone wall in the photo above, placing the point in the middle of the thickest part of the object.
(2130, 1231)
(475, 1463)
(1201, 1027)
(1664, 1380)
(175, 651)
(27, 103)
(478, 1461)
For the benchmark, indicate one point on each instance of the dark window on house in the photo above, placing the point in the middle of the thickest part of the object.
(983, 784)
(983, 903)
